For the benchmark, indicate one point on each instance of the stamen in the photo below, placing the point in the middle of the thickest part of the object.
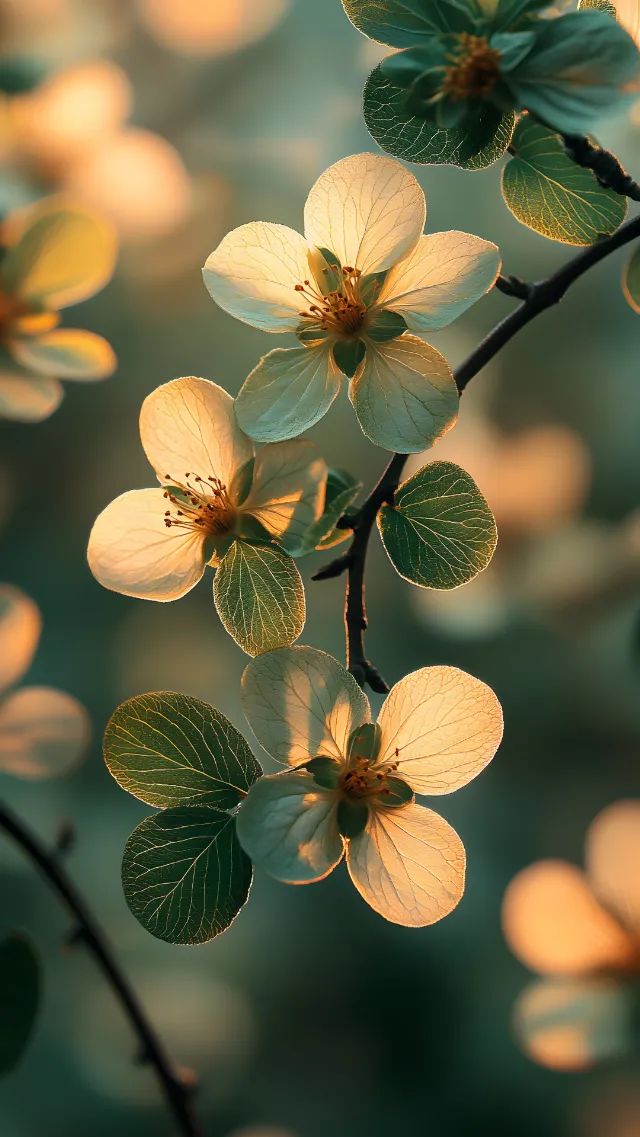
(474, 70)
(208, 496)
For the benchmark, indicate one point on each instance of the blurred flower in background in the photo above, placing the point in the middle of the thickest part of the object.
(209, 28)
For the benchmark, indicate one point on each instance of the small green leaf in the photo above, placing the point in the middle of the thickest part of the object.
(184, 874)
(364, 741)
(601, 5)
(20, 985)
(325, 772)
(167, 748)
(242, 481)
(259, 595)
(342, 490)
(397, 793)
(352, 817)
(403, 23)
(631, 280)
(347, 355)
(548, 192)
(386, 326)
(440, 532)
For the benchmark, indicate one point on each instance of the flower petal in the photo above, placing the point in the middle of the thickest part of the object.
(288, 392)
(553, 923)
(189, 424)
(67, 353)
(442, 726)
(28, 398)
(613, 860)
(20, 628)
(368, 210)
(444, 275)
(288, 826)
(570, 1024)
(64, 254)
(287, 493)
(301, 703)
(409, 865)
(254, 272)
(43, 733)
(404, 394)
(131, 550)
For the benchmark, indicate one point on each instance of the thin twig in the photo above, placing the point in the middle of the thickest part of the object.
(87, 931)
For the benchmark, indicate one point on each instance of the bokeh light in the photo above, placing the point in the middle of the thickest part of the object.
(194, 27)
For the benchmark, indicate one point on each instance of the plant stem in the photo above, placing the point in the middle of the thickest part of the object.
(89, 931)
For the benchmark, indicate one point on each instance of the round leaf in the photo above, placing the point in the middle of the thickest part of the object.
(259, 595)
(19, 998)
(631, 280)
(342, 490)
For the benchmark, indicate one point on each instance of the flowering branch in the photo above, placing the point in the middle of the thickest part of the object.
(88, 931)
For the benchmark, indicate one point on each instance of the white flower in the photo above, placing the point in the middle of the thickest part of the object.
(351, 789)
(354, 288)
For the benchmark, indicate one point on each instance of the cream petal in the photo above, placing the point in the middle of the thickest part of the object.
(553, 923)
(20, 628)
(189, 425)
(43, 733)
(443, 276)
(613, 860)
(66, 353)
(28, 398)
(404, 394)
(368, 210)
(442, 726)
(288, 826)
(301, 703)
(287, 493)
(628, 13)
(570, 1024)
(254, 272)
(288, 392)
(409, 865)
(131, 550)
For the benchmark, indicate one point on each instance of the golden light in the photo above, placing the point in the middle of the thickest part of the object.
(628, 13)
(44, 733)
(613, 861)
(20, 627)
(571, 1024)
(210, 27)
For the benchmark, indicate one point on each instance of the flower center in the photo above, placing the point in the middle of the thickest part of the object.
(474, 68)
(363, 780)
(342, 311)
(200, 504)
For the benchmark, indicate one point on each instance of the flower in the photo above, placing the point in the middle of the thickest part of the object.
(582, 932)
(58, 254)
(363, 278)
(43, 732)
(214, 490)
(351, 789)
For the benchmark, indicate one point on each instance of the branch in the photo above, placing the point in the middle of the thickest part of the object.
(90, 933)
(605, 166)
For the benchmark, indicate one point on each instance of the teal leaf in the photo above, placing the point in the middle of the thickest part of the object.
(631, 280)
(184, 874)
(342, 490)
(20, 984)
(325, 772)
(403, 23)
(396, 793)
(287, 392)
(600, 5)
(386, 325)
(347, 355)
(166, 748)
(352, 817)
(259, 596)
(440, 532)
(548, 192)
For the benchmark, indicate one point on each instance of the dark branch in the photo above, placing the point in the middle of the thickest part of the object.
(89, 933)
(605, 166)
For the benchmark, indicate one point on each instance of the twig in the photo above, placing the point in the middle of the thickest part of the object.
(87, 931)
(605, 166)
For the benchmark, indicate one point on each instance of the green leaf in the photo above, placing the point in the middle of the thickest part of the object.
(352, 817)
(20, 985)
(167, 748)
(347, 355)
(184, 874)
(548, 192)
(259, 596)
(601, 5)
(403, 23)
(342, 489)
(440, 532)
(414, 139)
(631, 280)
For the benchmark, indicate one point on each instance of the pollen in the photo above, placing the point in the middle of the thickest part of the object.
(341, 312)
(200, 504)
(474, 68)
(364, 779)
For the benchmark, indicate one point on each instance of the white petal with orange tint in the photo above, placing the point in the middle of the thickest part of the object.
(66, 353)
(301, 703)
(43, 733)
(28, 398)
(254, 272)
(288, 392)
(20, 627)
(189, 425)
(287, 825)
(553, 923)
(409, 865)
(613, 860)
(368, 210)
(570, 1024)
(443, 276)
(442, 726)
(628, 13)
(131, 550)
(287, 493)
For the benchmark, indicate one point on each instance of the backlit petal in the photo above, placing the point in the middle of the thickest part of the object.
(409, 865)
(28, 398)
(368, 210)
(301, 703)
(442, 726)
(66, 353)
(613, 860)
(443, 276)
(20, 627)
(287, 825)
(189, 425)
(254, 272)
(131, 550)
(553, 923)
(570, 1024)
(43, 733)
(628, 13)
(287, 494)
(288, 392)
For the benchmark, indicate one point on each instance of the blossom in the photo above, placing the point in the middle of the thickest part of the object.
(581, 931)
(59, 254)
(359, 290)
(351, 784)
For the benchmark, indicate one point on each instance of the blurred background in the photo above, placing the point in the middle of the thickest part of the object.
(311, 1015)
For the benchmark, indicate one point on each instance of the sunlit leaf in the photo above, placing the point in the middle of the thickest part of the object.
(631, 280)
(342, 489)
(405, 23)
(20, 985)
(601, 5)
(259, 595)
(184, 874)
(167, 748)
(548, 192)
(44, 733)
(439, 532)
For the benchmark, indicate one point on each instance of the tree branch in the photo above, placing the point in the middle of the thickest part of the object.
(89, 932)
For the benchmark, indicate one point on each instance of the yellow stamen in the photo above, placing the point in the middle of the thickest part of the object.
(474, 69)
(341, 312)
(203, 506)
